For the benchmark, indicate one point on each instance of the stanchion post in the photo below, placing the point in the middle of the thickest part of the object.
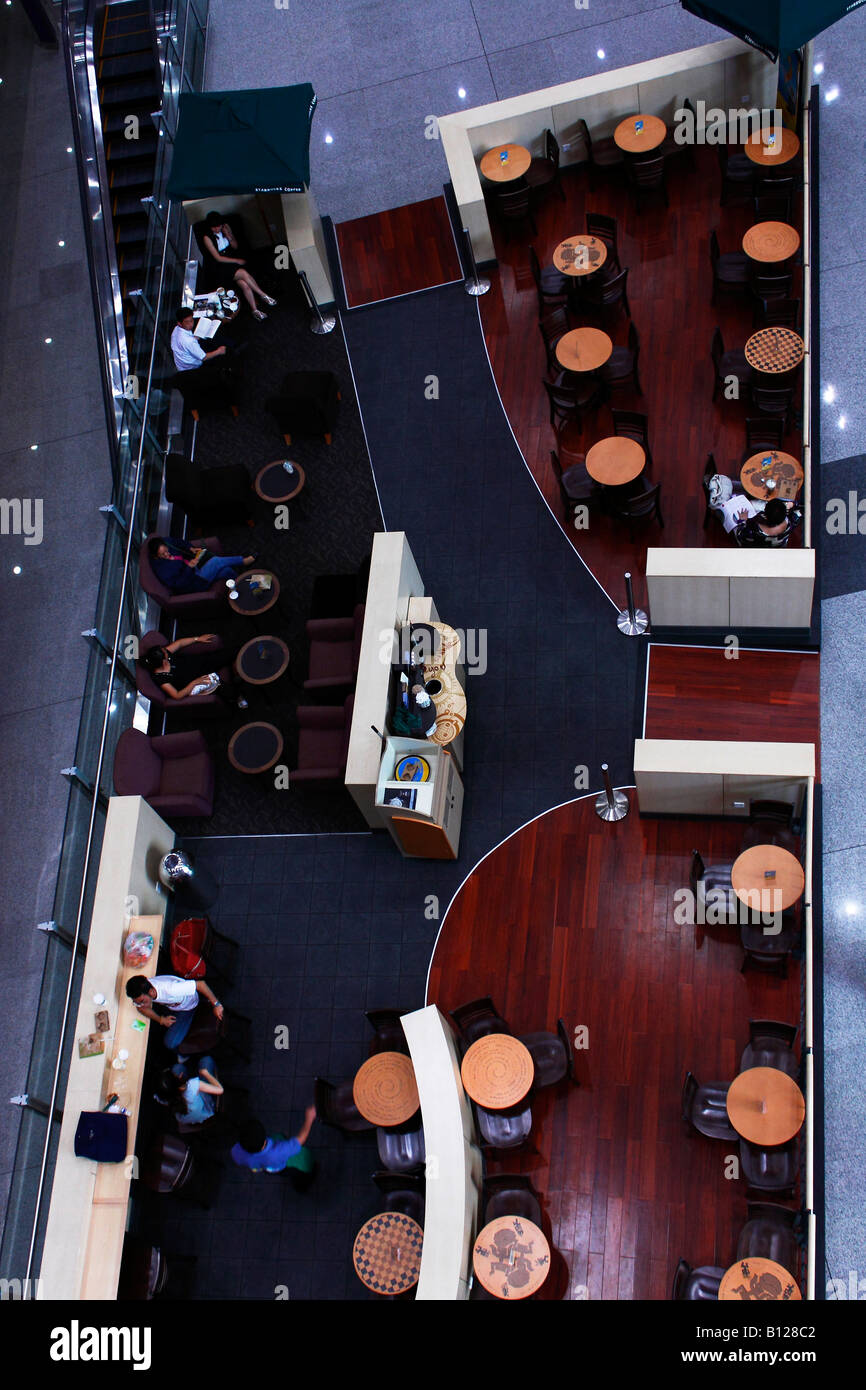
(475, 285)
(632, 622)
(319, 323)
(610, 805)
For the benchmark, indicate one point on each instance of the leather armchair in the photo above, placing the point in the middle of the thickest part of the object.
(179, 604)
(173, 772)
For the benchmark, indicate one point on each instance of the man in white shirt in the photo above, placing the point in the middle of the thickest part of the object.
(186, 349)
(178, 995)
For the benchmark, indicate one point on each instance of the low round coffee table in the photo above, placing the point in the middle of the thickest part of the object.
(765, 1106)
(775, 350)
(385, 1090)
(252, 602)
(274, 483)
(511, 1257)
(750, 881)
(255, 747)
(580, 255)
(387, 1253)
(615, 461)
(262, 660)
(583, 349)
(756, 1279)
(771, 242)
(497, 1071)
(514, 166)
(784, 470)
(765, 148)
(651, 134)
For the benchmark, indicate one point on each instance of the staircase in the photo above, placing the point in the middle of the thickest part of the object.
(129, 85)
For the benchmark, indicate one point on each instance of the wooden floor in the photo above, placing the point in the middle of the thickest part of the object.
(396, 252)
(669, 287)
(572, 918)
(696, 692)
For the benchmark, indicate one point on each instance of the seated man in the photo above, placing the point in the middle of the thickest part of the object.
(190, 569)
(772, 526)
(186, 349)
(180, 996)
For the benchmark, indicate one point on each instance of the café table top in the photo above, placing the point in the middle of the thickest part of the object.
(497, 1071)
(775, 350)
(785, 471)
(580, 255)
(252, 602)
(771, 242)
(583, 349)
(255, 747)
(756, 1279)
(760, 151)
(511, 1257)
(385, 1090)
(615, 461)
(387, 1252)
(262, 660)
(498, 171)
(765, 1106)
(640, 141)
(274, 484)
(749, 877)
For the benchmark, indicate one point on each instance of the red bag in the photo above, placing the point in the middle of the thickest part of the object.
(187, 941)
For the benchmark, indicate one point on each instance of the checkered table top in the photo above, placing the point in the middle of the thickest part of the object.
(387, 1252)
(775, 350)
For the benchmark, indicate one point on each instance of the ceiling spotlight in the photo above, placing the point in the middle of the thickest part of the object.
(61, 243)
(818, 69)
(832, 94)
(49, 340)
(16, 569)
(600, 53)
(461, 92)
(69, 149)
(33, 448)
(829, 394)
(851, 909)
(842, 421)
(329, 139)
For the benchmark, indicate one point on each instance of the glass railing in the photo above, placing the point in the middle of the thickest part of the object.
(135, 370)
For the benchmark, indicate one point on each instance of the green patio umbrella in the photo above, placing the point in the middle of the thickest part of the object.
(773, 26)
(256, 141)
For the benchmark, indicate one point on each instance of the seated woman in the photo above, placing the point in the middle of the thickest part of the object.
(192, 1099)
(190, 569)
(220, 243)
(178, 671)
(771, 527)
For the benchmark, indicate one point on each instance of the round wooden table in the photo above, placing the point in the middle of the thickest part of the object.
(500, 170)
(771, 242)
(255, 747)
(765, 1106)
(274, 483)
(756, 1279)
(583, 349)
(615, 461)
(262, 660)
(252, 602)
(775, 350)
(497, 1071)
(580, 255)
(783, 149)
(649, 137)
(387, 1253)
(511, 1257)
(385, 1090)
(749, 877)
(784, 470)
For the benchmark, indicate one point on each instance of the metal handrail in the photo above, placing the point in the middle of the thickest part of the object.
(103, 738)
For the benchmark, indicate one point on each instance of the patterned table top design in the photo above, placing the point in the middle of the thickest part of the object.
(511, 1257)
(387, 1253)
(775, 350)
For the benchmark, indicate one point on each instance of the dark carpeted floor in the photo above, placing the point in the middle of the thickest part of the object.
(332, 522)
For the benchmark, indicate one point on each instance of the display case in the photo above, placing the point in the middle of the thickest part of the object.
(419, 796)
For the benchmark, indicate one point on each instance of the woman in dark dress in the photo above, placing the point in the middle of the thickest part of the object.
(177, 669)
(221, 245)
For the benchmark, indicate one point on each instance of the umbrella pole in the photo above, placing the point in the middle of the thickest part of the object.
(320, 323)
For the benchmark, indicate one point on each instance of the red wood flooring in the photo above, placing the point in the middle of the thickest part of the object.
(696, 692)
(572, 918)
(669, 287)
(398, 251)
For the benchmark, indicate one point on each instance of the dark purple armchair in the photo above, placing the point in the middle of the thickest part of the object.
(190, 704)
(323, 742)
(178, 604)
(335, 646)
(173, 772)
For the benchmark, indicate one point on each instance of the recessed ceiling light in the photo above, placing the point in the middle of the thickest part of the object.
(600, 53)
(34, 447)
(832, 94)
(461, 92)
(61, 243)
(851, 909)
(69, 149)
(16, 569)
(329, 139)
(842, 421)
(49, 340)
(818, 69)
(829, 394)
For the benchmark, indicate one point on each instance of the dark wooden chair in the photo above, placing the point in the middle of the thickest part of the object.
(643, 504)
(769, 1170)
(552, 1056)
(389, 1035)
(672, 149)
(739, 174)
(704, 1108)
(766, 285)
(505, 1129)
(696, 1285)
(403, 1192)
(169, 1167)
(729, 364)
(604, 155)
(570, 395)
(771, 823)
(762, 433)
(772, 207)
(602, 296)
(335, 1106)
(646, 177)
(515, 210)
(771, 1044)
(510, 1194)
(598, 224)
(730, 271)
(771, 1233)
(553, 326)
(768, 950)
(543, 171)
(632, 424)
(714, 879)
(621, 368)
(550, 284)
(777, 313)
(774, 400)
(576, 486)
(478, 1018)
(401, 1147)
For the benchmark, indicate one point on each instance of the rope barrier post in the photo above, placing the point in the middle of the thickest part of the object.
(610, 805)
(632, 622)
(475, 285)
(319, 323)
